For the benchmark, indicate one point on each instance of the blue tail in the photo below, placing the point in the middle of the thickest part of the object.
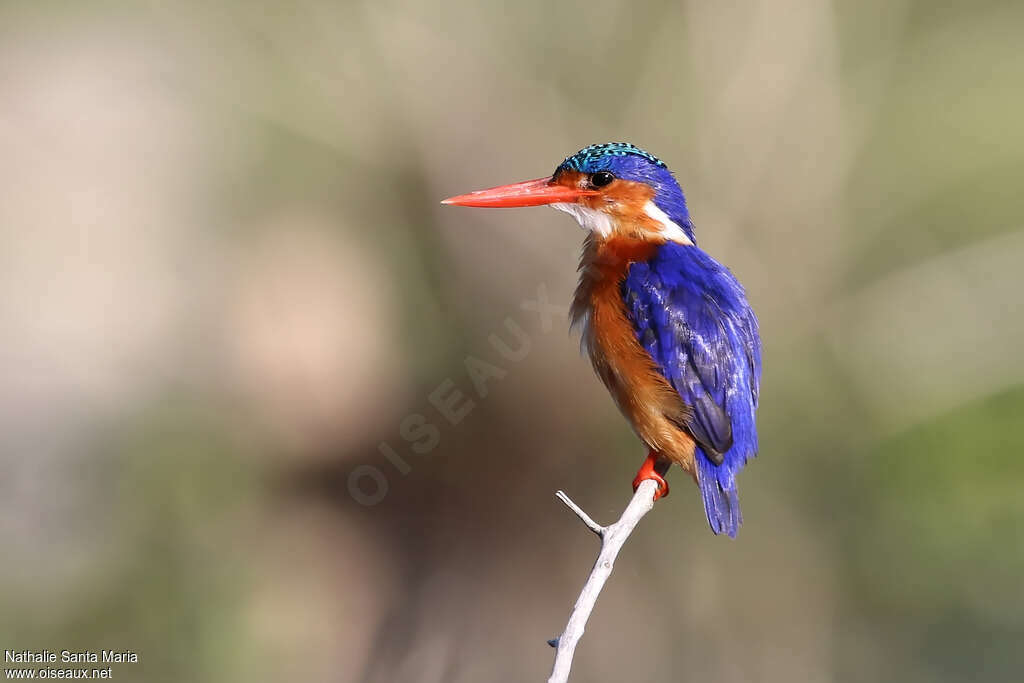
(721, 499)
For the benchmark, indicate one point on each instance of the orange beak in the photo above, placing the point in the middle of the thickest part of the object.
(528, 193)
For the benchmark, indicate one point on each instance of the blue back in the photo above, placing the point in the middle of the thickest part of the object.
(629, 162)
(692, 316)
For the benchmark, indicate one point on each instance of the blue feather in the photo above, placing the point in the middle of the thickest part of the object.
(692, 316)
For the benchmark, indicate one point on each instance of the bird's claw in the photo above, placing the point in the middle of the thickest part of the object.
(648, 471)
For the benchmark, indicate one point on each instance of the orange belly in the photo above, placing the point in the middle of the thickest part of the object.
(653, 408)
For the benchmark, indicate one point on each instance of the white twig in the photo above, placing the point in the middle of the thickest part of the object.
(612, 537)
(591, 524)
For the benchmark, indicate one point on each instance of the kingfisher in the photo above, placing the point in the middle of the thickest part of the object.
(668, 328)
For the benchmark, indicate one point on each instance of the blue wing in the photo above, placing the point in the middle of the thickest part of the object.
(692, 316)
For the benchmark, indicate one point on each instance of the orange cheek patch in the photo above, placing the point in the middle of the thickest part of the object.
(629, 193)
(624, 200)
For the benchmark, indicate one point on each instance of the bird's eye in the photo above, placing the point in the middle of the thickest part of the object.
(601, 178)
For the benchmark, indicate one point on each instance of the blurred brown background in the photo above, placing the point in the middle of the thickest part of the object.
(225, 281)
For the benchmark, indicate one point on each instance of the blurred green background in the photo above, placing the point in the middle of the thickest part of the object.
(225, 281)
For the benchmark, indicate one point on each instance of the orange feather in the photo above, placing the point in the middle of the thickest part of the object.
(653, 408)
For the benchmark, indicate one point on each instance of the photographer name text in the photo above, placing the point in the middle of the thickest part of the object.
(69, 656)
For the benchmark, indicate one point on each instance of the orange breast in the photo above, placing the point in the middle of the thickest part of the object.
(653, 408)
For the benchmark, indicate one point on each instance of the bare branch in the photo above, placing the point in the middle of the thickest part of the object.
(613, 537)
(591, 524)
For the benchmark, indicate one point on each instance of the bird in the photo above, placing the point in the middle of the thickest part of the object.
(668, 329)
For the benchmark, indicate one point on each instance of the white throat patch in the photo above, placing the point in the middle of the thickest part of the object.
(589, 219)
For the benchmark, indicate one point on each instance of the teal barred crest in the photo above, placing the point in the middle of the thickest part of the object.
(588, 155)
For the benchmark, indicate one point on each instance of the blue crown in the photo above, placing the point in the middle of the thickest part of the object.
(590, 157)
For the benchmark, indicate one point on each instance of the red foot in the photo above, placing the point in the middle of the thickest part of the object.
(649, 470)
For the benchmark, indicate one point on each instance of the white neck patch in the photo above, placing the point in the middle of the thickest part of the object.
(601, 223)
(669, 228)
